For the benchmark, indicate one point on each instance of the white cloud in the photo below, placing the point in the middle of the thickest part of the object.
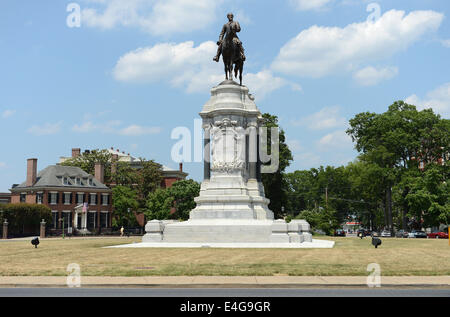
(114, 127)
(438, 100)
(445, 43)
(166, 61)
(264, 82)
(319, 51)
(371, 76)
(337, 139)
(327, 118)
(188, 67)
(90, 126)
(136, 130)
(2, 164)
(8, 113)
(158, 17)
(46, 129)
(306, 5)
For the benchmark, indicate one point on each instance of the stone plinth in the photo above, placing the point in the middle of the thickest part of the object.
(232, 207)
(5, 230)
(42, 229)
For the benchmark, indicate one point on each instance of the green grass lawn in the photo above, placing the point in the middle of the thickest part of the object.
(349, 257)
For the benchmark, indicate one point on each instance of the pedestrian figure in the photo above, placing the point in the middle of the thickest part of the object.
(121, 231)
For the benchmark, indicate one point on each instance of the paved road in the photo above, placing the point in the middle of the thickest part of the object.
(230, 293)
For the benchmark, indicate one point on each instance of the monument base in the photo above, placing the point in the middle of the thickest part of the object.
(229, 233)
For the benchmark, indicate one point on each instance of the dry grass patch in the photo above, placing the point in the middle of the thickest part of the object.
(349, 257)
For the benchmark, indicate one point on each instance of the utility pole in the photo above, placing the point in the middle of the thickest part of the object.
(326, 198)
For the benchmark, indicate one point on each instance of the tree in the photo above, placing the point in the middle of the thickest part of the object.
(428, 197)
(397, 141)
(183, 193)
(125, 175)
(275, 184)
(149, 179)
(125, 202)
(158, 205)
(324, 220)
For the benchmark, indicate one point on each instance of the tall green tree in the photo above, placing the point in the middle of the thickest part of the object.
(183, 193)
(125, 202)
(125, 175)
(397, 141)
(149, 179)
(275, 184)
(158, 205)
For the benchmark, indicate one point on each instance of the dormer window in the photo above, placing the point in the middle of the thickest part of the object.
(78, 181)
(91, 182)
(65, 180)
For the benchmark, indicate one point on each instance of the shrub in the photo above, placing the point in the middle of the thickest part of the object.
(23, 218)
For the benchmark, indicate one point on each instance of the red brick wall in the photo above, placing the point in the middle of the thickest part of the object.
(168, 182)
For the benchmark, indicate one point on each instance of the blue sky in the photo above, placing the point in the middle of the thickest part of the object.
(135, 70)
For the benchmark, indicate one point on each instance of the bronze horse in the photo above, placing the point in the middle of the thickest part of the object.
(232, 57)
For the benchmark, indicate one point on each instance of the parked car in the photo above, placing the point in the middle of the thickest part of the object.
(401, 234)
(417, 234)
(386, 233)
(339, 233)
(438, 235)
(363, 232)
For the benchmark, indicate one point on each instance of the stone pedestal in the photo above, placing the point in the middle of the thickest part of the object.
(42, 231)
(231, 207)
(5, 230)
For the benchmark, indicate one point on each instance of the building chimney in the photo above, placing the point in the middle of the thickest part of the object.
(76, 153)
(99, 172)
(31, 172)
(181, 167)
(114, 160)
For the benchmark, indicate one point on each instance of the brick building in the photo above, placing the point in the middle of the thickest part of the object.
(5, 198)
(82, 200)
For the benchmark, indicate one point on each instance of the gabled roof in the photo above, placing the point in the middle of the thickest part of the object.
(52, 176)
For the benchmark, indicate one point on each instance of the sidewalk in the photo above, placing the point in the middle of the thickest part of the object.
(226, 281)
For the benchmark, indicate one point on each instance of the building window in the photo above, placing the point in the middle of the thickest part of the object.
(53, 198)
(67, 198)
(65, 181)
(80, 198)
(104, 219)
(39, 198)
(91, 182)
(23, 198)
(55, 219)
(93, 199)
(91, 219)
(105, 199)
(78, 181)
(67, 219)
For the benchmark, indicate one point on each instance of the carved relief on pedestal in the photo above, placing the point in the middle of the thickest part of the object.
(227, 146)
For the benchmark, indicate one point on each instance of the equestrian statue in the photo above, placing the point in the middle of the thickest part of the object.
(231, 49)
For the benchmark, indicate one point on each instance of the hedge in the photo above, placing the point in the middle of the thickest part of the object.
(22, 217)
